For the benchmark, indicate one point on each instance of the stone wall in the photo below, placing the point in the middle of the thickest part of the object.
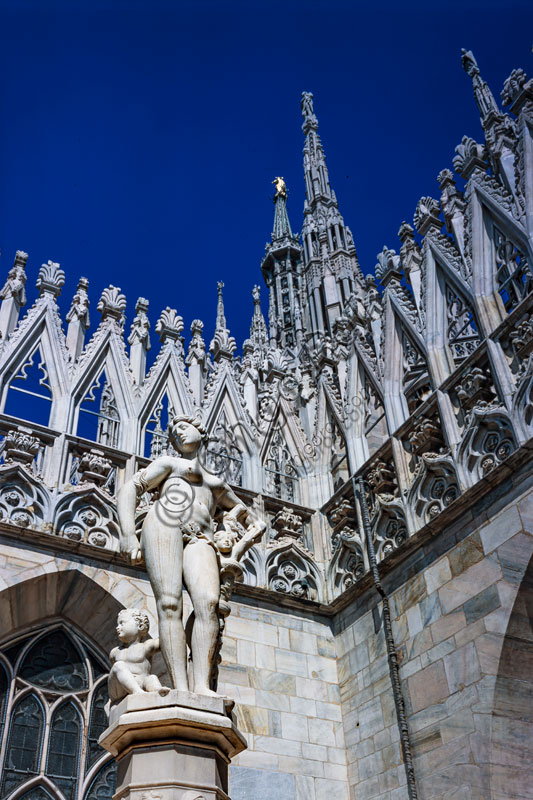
(282, 669)
(465, 645)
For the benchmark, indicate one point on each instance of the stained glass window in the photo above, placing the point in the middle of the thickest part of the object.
(55, 663)
(23, 744)
(51, 665)
(64, 749)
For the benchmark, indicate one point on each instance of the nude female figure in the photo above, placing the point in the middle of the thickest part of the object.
(178, 546)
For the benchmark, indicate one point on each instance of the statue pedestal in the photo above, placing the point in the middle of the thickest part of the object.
(175, 746)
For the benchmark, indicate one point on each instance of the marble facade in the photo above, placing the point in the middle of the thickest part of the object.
(379, 645)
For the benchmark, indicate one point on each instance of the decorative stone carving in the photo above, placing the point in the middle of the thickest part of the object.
(86, 515)
(287, 525)
(169, 326)
(425, 436)
(180, 525)
(522, 338)
(388, 266)
(470, 156)
(389, 528)
(381, 478)
(427, 216)
(140, 326)
(131, 661)
(474, 386)
(24, 502)
(222, 345)
(112, 305)
(289, 572)
(435, 487)
(79, 308)
(94, 467)
(196, 345)
(488, 440)
(347, 563)
(20, 446)
(51, 279)
(16, 280)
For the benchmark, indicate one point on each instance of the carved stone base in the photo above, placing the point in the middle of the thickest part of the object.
(175, 746)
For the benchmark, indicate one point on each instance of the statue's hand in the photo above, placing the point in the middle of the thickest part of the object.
(256, 530)
(132, 547)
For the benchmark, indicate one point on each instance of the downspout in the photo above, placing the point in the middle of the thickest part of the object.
(358, 488)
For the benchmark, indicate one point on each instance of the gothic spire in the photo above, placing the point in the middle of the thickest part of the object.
(222, 345)
(331, 269)
(316, 172)
(258, 328)
(484, 97)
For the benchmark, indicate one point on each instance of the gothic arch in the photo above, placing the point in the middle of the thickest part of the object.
(24, 500)
(286, 451)
(87, 515)
(61, 595)
(39, 338)
(105, 354)
(291, 570)
(489, 438)
(228, 411)
(434, 488)
(166, 377)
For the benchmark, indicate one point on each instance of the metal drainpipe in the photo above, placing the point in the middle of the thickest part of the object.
(358, 488)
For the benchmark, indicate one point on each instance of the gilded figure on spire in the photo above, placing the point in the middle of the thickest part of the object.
(281, 188)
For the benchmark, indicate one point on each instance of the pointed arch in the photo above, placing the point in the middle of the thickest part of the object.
(38, 342)
(291, 570)
(285, 455)
(330, 437)
(103, 376)
(167, 387)
(232, 445)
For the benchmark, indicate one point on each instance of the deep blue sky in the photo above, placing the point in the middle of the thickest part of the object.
(139, 139)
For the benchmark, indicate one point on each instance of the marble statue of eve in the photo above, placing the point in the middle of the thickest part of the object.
(179, 548)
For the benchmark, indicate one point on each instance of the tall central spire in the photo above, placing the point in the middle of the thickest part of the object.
(331, 268)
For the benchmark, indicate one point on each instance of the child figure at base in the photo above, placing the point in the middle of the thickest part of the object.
(132, 661)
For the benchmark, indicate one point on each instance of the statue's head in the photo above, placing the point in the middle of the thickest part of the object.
(224, 540)
(132, 625)
(187, 434)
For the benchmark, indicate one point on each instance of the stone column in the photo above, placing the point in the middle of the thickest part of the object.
(172, 745)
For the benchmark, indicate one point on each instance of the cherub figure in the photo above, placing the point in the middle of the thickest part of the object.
(132, 660)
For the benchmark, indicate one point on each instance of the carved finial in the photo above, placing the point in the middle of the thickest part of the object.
(79, 308)
(112, 304)
(16, 280)
(310, 121)
(470, 155)
(51, 279)
(221, 317)
(516, 90)
(169, 325)
(141, 325)
(388, 266)
(426, 217)
(196, 351)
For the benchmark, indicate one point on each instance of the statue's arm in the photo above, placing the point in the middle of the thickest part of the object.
(128, 498)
